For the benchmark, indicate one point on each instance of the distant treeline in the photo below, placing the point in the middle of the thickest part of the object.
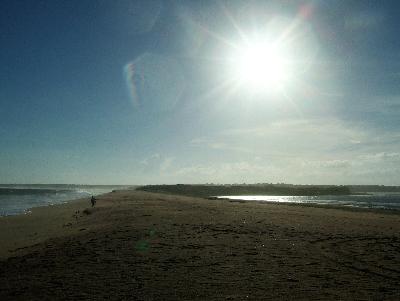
(373, 188)
(249, 189)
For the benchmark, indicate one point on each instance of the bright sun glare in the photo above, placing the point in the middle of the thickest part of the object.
(261, 66)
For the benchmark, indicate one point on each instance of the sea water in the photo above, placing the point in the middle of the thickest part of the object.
(19, 199)
(371, 200)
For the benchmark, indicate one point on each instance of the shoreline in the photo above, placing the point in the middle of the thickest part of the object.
(316, 205)
(310, 204)
(20, 231)
(62, 201)
(142, 246)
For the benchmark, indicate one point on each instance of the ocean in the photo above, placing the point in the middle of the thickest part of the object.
(373, 200)
(19, 199)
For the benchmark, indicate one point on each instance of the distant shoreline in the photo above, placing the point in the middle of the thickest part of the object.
(316, 205)
(247, 189)
(308, 195)
(208, 190)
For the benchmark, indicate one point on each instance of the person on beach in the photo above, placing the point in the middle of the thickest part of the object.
(93, 201)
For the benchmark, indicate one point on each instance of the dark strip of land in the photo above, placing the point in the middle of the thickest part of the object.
(247, 189)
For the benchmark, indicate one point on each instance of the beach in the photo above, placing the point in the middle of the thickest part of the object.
(146, 246)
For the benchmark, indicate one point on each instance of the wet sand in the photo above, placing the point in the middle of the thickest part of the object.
(144, 246)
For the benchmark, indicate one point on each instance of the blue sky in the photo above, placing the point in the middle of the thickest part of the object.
(135, 92)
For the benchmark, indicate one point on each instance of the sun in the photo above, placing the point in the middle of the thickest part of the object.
(264, 61)
(261, 66)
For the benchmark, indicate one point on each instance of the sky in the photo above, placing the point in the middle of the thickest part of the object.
(146, 92)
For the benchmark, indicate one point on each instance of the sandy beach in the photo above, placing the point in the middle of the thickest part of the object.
(146, 246)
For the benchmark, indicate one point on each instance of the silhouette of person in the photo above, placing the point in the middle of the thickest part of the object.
(93, 201)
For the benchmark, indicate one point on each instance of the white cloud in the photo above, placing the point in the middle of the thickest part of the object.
(156, 162)
(320, 151)
(166, 164)
(330, 164)
(226, 172)
(150, 159)
(288, 138)
(381, 157)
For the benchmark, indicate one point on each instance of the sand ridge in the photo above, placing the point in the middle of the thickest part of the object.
(145, 246)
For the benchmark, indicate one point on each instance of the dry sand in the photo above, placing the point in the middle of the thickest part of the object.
(143, 246)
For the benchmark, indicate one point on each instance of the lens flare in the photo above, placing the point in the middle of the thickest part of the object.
(155, 83)
(129, 74)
